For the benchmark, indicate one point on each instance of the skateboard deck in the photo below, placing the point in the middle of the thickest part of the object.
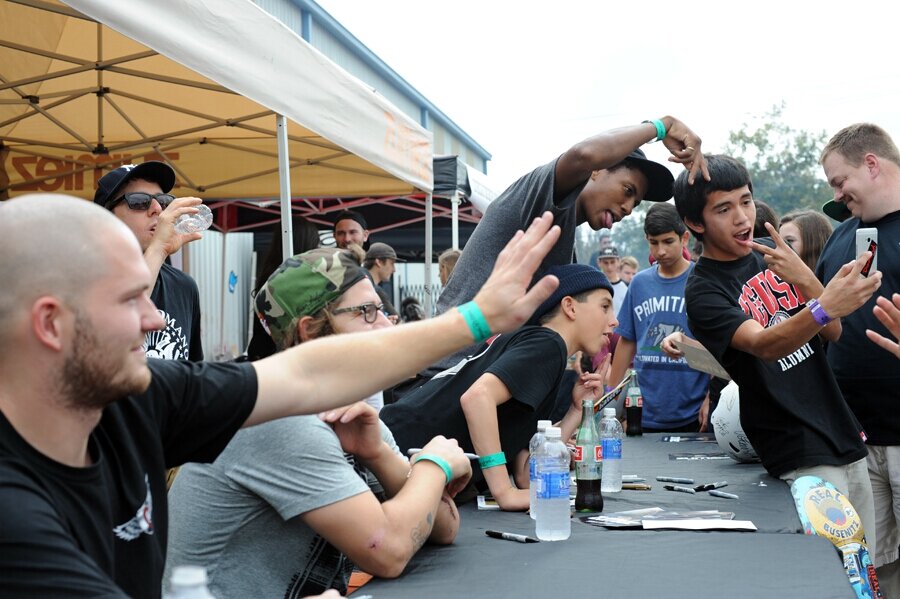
(826, 512)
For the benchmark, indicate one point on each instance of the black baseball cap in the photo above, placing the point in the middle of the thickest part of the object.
(659, 177)
(112, 182)
(837, 210)
(608, 252)
(351, 215)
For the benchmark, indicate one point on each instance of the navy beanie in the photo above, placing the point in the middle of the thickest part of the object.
(573, 279)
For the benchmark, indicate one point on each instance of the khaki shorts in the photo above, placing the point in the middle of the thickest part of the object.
(853, 481)
(884, 472)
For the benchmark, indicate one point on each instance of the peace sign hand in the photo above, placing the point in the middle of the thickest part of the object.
(783, 260)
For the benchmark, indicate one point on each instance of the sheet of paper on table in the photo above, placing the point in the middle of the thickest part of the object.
(699, 358)
(700, 524)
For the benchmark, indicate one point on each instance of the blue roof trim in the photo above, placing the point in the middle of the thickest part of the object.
(429, 110)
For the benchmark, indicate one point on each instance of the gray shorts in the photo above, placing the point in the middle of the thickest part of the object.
(884, 472)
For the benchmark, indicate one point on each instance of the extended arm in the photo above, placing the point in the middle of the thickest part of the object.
(479, 404)
(846, 292)
(610, 147)
(305, 380)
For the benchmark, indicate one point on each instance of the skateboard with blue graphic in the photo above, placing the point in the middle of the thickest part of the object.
(826, 512)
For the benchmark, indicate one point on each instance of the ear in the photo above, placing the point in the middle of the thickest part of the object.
(303, 328)
(594, 175)
(685, 237)
(365, 235)
(693, 226)
(47, 315)
(567, 306)
(872, 164)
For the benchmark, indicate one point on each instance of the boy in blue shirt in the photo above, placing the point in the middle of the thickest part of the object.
(675, 395)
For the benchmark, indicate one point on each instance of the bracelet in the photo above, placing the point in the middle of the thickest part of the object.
(818, 312)
(439, 461)
(473, 316)
(660, 128)
(489, 461)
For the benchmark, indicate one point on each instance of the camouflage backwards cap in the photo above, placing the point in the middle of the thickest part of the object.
(301, 286)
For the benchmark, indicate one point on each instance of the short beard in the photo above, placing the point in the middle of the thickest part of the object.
(89, 376)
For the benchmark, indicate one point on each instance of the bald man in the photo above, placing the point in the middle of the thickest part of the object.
(88, 424)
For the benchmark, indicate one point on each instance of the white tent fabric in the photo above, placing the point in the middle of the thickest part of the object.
(200, 78)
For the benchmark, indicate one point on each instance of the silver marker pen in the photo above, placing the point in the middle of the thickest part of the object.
(679, 488)
(414, 450)
(670, 479)
(722, 494)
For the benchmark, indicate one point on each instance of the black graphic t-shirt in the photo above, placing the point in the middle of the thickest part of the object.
(176, 297)
(791, 408)
(101, 531)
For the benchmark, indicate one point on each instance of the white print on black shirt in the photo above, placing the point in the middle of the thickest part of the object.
(142, 523)
(169, 343)
(769, 300)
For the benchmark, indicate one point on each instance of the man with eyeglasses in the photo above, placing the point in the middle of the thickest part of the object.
(138, 194)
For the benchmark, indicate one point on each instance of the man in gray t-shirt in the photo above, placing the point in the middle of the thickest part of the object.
(258, 517)
(598, 181)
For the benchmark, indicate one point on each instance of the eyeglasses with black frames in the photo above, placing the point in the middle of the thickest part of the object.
(138, 200)
(369, 311)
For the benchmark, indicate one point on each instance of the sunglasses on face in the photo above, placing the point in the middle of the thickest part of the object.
(369, 311)
(138, 200)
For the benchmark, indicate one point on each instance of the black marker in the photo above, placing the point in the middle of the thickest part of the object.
(414, 450)
(509, 536)
(711, 486)
(679, 488)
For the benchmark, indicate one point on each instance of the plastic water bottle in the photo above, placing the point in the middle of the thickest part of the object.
(188, 582)
(534, 447)
(193, 223)
(552, 515)
(611, 440)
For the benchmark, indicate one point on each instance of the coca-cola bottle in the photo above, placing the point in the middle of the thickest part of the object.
(588, 458)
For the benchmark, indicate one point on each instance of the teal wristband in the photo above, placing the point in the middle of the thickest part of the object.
(471, 313)
(489, 461)
(439, 461)
(660, 128)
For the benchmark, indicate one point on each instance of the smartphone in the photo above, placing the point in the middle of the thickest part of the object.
(867, 241)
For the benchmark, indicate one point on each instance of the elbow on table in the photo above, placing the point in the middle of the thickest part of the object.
(387, 560)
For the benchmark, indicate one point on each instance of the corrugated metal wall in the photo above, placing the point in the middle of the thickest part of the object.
(221, 265)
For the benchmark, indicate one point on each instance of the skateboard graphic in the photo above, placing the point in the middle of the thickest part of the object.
(826, 512)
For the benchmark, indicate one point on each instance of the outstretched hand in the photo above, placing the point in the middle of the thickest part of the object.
(684, 145)
(505, 299)
(782, 259)
(888, 312)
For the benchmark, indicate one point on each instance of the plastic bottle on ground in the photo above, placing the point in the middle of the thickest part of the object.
(552, 514)
(534, 446)
(611, 439)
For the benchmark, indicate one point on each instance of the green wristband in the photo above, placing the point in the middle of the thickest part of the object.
(660, 128)
(448, 472)
(473, 316)
(489, 461)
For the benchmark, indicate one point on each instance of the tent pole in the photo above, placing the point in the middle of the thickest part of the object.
(284, 181)
(454, 220)
(429, 243)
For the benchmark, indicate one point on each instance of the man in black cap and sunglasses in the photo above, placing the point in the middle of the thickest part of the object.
(138, 194)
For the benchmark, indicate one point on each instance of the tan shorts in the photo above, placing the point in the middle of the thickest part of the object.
(884, 472)
(853, 481)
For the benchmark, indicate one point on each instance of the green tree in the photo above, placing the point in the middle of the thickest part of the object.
(783, 162)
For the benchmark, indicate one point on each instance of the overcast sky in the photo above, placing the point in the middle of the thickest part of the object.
(528, 79)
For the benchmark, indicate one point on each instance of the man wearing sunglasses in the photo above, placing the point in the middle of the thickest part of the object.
(138, 194)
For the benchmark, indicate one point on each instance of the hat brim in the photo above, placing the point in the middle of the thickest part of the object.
(659, 178)
(152, 170)
(836, 210)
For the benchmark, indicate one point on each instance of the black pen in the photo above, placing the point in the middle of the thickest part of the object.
(679, 488)
(711, 486)
(509, 536)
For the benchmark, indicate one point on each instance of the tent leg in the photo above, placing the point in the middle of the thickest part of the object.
(429, 242)
(454, 220)
(284, 181)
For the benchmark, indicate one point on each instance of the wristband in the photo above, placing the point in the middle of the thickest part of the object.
(489, 461)
(439, 461)
(660, 128)
(473, 316)
(818, 312)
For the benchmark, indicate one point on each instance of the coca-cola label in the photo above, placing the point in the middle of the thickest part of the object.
(634, 402)
(598, 453)
(578, 456)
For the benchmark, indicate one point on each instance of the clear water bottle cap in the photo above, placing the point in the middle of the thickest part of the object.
(186, 576)
(554, 432)
(543, 425)
(609, 412)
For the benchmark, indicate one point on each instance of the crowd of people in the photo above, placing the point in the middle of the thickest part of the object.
(306, 461)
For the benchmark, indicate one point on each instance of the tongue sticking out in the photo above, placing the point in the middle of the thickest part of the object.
(607, 219)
